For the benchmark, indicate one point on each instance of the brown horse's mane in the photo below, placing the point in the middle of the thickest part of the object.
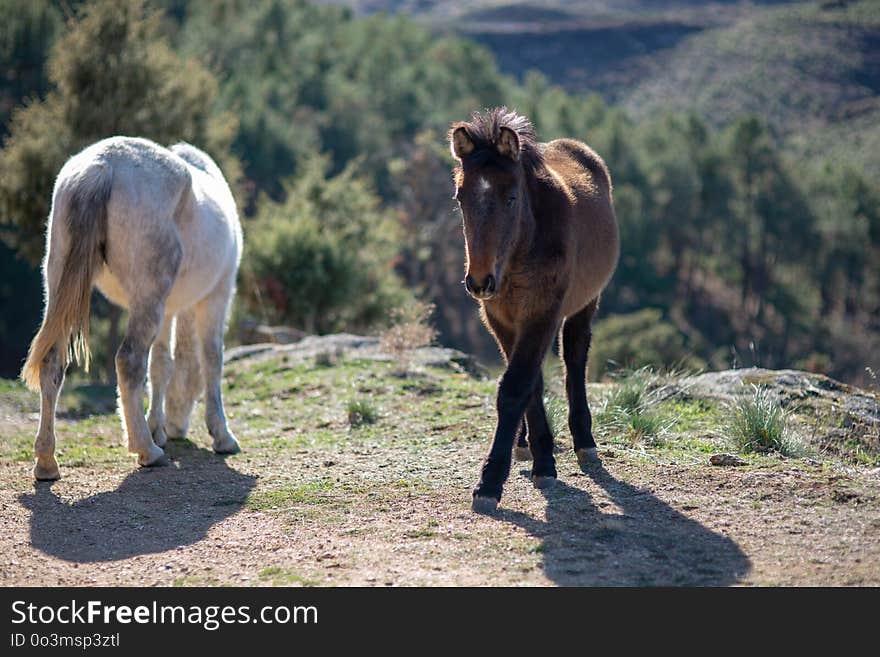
(484, 129)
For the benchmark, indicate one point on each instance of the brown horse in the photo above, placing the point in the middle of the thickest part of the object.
(541, 243)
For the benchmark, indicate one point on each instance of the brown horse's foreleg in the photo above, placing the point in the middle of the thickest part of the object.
(576, 336)
(505, 338)
(540, 437)
(515, 390)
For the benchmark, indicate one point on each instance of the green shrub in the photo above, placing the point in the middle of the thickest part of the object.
(637, 340)
(323, 259)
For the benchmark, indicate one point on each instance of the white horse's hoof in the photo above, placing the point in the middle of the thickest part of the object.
(46, 469)
(522, 453)
(154, 457)
(587, 456)
(543, 482)
(484, 505)
(160, 437)
(227, 445)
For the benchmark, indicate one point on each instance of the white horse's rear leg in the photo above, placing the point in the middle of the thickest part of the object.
(210, 323)
(160, 373)
(157, 265)
(51, 380)
(131, 371)
(186, 378)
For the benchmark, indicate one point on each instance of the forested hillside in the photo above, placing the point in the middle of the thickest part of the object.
(737, 249)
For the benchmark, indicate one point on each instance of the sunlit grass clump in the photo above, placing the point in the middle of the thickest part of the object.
(633, 408)
(557, 412)
(360, 412)
(759, 424)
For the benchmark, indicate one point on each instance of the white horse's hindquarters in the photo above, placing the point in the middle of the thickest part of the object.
(199, 218)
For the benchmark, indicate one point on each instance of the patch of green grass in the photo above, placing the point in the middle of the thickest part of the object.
(360, 412)
(420, 533)
(301, 406)
(757, 423)
(285, 577)
(288, 495)
(856, 452)
(692, 414)
(690, 445)
(93, 440)
(196, 580)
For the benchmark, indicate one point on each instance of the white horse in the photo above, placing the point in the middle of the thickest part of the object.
(157, 231)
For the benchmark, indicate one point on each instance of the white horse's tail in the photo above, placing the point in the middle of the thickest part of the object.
(83, 216)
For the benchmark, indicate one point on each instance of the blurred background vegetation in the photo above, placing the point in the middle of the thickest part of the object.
(743, 139)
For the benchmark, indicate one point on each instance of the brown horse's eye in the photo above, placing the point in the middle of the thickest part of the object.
(511, 201)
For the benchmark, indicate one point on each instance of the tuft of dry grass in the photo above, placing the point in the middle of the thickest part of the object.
(410, 329)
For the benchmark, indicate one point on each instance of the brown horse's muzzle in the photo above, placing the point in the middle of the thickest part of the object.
(484, 289)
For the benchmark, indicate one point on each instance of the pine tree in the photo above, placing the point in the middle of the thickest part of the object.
(112, 73)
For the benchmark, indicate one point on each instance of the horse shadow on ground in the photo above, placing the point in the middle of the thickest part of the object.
(642, 542)
(152, 510)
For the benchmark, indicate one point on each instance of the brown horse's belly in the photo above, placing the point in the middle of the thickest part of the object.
(588, 278)
(576, 300)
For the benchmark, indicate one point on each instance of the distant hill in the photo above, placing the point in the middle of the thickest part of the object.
(606, 46)
(810, 69)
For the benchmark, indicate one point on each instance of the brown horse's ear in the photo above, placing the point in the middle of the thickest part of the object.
(508, 143)
(460, 141)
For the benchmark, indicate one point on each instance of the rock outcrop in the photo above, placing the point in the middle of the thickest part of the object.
(347, 345)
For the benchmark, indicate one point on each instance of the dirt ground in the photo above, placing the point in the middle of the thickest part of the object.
(314, 501)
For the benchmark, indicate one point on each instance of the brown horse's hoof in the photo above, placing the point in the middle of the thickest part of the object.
(522, 453)
(485, 505)
(543, 482)
(46, 471)
(587, 456)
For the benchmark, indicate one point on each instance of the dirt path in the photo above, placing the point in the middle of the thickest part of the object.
(313, 501)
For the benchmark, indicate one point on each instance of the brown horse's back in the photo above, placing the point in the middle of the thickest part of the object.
(592, 244)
